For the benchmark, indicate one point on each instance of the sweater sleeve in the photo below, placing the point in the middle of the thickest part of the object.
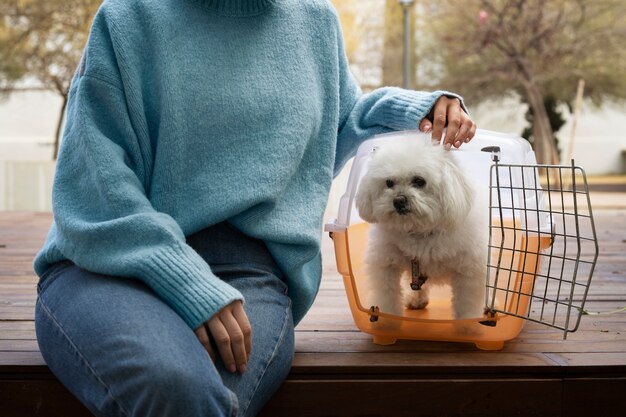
(104, 220)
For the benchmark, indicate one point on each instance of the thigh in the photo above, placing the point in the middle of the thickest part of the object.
(269, 310)
(122, 351)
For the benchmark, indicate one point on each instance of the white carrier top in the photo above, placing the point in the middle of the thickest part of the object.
(476, 158)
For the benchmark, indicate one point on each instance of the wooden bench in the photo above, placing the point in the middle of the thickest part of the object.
(338, 371)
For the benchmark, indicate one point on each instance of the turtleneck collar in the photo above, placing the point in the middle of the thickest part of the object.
(237, 7)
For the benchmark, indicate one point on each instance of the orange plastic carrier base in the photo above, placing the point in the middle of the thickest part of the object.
(435, 322)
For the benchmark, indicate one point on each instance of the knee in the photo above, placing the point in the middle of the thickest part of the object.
(286, 351)
(178, 389)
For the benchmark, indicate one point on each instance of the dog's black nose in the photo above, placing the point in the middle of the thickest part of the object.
(401, 204)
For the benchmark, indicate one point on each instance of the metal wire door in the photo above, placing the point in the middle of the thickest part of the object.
(543, 245)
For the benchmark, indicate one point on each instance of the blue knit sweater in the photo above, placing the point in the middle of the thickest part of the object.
(186, 113)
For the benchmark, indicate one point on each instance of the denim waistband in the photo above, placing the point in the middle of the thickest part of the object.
(223, 244)
(52, 271)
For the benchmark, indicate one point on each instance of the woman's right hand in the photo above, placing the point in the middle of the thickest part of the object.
(232, 333)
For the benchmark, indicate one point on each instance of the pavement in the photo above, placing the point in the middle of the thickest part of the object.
(607, 183)
(608, 200)
(607, 191)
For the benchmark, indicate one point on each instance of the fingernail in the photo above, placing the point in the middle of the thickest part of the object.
(242, 369)
(448, 146)
(426, 127)
(232, 368)
(457, 143)
(467, 140)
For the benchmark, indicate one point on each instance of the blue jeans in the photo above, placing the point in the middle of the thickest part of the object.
(123, 352)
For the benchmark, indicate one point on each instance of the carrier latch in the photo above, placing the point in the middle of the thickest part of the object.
(495, 152)
(374, 310)
(492, 314)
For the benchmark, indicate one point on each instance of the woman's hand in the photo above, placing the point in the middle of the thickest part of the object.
(232, 333)
(447, 111)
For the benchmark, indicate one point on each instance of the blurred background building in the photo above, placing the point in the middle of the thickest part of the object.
(495, 53)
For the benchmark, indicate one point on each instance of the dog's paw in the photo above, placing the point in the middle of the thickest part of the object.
(417, 300)
(416, 304)
(468, 310)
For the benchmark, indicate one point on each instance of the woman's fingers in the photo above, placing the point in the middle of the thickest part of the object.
(232, 333)
(244, 324)
(447, 113)
(472, 132)
(223, 342)
(439, 118)
(463, 135)
(203, 337)
(453, 116)
(237, 346)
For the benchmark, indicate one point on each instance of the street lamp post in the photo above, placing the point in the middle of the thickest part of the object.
(406, 4)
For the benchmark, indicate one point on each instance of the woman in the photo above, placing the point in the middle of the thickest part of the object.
(201, 140)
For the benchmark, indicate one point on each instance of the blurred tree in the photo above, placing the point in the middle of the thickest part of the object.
(359, 22)
(11, 69)
(538, 49)
(555, 116)
(393, 47)
(351, 31)
(43, 41)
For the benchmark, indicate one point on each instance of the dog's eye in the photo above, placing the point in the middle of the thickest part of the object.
(390, 183)
(418, 182)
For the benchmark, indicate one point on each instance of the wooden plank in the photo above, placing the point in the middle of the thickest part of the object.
(18, 345)
(17, 325)
(459, 397)
(591, 360)
(26, 312)
(585, 397)
(417, 397)
(44, 398)
(402, 363)
(360, 342)
(22, 361)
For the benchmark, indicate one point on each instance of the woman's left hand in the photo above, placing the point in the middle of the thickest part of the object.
(447, 112)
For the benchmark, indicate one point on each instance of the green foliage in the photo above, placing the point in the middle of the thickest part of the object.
(488, 47)
(555, 115)
(535, 48)
(43, 40)
(10, 69)
(393, 44)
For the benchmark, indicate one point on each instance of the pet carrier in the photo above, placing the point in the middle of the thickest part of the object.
(541, 253)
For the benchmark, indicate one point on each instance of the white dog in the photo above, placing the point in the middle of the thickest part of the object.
(426, 225)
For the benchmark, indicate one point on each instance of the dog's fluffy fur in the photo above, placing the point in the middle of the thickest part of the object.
(422, 208)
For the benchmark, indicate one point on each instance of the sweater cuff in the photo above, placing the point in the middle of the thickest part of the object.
(186, 283)
(409, 107)
(452, 95)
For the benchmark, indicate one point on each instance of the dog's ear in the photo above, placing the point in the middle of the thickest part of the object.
(363, 199)
(457, 194)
